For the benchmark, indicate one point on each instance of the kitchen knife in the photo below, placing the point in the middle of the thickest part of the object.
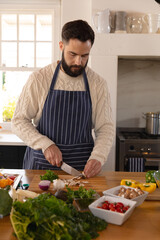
(70, 170)
(17, 181)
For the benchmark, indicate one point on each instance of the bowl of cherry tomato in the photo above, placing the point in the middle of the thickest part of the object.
(115, 210)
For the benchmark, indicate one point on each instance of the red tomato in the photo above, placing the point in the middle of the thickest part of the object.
(12, 177)
(112, 209)
(112, 205)
(120, 210)
(125, 208)
(119, 205)
(105, 206)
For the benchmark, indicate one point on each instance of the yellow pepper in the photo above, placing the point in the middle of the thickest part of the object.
(148, 187)
(129, 183)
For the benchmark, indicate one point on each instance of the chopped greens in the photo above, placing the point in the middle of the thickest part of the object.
(49, 175)
(47, 217)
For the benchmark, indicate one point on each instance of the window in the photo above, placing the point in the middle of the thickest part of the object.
(27, 41)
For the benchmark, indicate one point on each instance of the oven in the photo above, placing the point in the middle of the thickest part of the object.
(137, 151)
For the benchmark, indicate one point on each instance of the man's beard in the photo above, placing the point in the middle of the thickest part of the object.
(77, 69)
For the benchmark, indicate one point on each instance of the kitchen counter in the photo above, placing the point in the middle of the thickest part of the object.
(143, 223)
(10, 139)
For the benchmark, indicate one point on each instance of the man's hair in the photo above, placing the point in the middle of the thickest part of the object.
(78, 29)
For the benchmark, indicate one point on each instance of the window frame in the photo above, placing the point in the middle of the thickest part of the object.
(36, 10)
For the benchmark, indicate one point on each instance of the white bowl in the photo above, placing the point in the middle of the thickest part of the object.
(110, 216)
(114, 192)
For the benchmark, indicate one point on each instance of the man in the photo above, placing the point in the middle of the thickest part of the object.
(61, 104)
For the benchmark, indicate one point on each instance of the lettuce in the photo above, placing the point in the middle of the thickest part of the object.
(47, 217)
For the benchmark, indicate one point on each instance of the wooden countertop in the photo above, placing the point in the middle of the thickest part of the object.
(143, 223)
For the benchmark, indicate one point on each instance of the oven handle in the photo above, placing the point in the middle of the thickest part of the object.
(152, 159)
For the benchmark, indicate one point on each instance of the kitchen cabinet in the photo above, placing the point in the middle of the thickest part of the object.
(11, 157)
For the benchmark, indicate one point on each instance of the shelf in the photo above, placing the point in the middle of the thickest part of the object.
(124, 45)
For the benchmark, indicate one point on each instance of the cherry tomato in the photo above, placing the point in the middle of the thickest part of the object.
(120, 210)
(119, 204)
(105, 205)
(112, 209)
(12, 177)
(125, 208)
(118, 207)
(112, 205)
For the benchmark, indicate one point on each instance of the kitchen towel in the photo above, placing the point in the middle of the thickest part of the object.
(136, 164)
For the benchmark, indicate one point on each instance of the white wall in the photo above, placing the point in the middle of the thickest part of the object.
(75, 9)
(144, 6)
(105, 52)
(137, 91)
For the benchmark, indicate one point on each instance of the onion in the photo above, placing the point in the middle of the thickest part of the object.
(44, 184)
(58, 184)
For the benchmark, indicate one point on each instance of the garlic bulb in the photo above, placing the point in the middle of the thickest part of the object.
(58, 184)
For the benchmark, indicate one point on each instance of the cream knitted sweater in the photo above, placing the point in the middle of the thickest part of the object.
(31, 101)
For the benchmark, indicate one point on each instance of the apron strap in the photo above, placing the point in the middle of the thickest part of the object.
(56, 74)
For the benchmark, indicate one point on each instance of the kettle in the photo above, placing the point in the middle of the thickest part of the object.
(102, 21)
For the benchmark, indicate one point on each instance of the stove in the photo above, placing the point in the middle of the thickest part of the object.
(136, 150)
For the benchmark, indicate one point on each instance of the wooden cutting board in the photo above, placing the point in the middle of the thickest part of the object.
(98, 183)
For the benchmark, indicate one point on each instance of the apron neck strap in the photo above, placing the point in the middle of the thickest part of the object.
(56, 74)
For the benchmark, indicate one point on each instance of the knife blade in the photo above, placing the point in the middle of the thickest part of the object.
(70, 170)
(16, 182)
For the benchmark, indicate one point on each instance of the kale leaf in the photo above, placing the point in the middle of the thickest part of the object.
(47, 217)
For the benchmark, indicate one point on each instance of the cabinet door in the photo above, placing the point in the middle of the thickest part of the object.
(11, 157)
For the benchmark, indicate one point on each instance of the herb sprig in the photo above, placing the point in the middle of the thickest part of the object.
(49, 175)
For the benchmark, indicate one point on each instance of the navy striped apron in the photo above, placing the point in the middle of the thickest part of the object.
(67, 120)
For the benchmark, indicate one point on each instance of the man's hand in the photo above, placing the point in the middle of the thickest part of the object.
(92, 168)
(53, 155)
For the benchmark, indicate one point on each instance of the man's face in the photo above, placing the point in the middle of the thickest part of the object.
(75, 56)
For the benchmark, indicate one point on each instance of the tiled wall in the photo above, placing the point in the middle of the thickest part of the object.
(138, 91)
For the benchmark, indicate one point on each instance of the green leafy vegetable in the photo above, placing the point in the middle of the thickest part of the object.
(47, 217)
(49, 175)
(80, 193)
(82, 197)
(5, 202)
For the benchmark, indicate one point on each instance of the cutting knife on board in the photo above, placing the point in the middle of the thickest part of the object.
(70, 170)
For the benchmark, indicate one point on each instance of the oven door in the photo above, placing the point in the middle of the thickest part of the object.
(140, 164)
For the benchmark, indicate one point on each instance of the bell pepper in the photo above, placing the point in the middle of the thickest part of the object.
(5, 182)
(150, 177)
(129, 183)
(148, 187)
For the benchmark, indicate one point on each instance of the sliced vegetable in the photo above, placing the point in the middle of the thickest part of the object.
(129, 183)
(148, 187)
(44, 184)
(150, 177)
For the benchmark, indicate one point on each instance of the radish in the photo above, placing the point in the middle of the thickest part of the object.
(44, 184)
